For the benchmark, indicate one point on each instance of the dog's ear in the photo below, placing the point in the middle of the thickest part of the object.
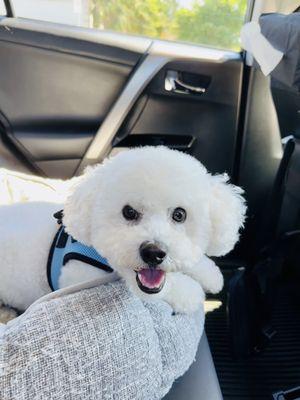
(227, 215)
(77, 213)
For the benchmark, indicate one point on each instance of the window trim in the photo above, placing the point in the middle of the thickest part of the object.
(9, 4)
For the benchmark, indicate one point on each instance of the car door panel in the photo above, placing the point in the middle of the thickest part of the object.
(161, 112)
(69, 96)
(55, 92)
(210, 118)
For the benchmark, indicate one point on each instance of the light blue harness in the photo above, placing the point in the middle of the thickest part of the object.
(64, 248)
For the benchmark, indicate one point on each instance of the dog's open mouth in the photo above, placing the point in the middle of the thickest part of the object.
(150, 280)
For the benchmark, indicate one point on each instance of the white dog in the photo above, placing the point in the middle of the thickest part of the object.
(155, 214)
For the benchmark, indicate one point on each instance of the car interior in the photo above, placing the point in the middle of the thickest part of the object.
(71, 96)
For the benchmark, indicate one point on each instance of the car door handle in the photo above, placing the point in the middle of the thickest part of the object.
(174, 84)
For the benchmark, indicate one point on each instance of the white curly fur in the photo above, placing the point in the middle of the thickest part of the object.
(152, 180)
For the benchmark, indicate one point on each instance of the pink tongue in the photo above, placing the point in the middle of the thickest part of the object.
(151, 278)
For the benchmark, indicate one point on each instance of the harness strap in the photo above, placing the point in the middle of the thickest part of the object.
(65, 248)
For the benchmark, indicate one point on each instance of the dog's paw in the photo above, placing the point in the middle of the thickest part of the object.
(184, 295)
(217, 282)
(208, 274)
(187, 306)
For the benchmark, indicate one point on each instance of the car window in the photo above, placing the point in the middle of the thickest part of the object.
(2, 8)
(214, 23)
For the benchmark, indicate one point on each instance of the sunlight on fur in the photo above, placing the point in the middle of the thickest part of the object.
(155, 214)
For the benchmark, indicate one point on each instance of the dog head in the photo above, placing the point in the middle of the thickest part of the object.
(151, 211)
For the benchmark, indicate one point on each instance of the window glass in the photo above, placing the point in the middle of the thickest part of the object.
(214, 23)
(2, 8)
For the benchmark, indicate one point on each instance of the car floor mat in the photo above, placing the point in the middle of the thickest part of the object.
(277, 368)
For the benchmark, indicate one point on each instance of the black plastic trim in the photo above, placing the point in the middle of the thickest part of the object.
(83, 48)
(241, 124)
(177, 142)
(9, 9)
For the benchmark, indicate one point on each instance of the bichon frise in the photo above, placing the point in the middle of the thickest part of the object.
(154, 214)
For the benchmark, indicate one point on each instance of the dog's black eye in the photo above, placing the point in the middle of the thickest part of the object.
(179, 215)
(130, 213)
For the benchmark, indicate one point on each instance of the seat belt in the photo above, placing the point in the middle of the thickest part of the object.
(289, 214)
(282, 220)
(271, 218)
(252, 291)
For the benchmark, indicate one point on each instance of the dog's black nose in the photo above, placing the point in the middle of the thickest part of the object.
(151, 254)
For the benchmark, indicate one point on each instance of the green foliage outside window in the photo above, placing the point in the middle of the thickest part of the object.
(214, 23)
